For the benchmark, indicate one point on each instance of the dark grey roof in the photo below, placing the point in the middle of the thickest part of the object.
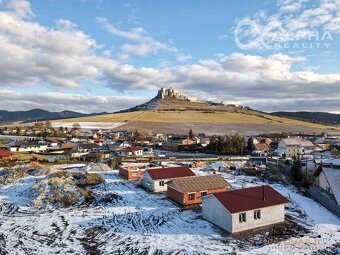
(88, 146)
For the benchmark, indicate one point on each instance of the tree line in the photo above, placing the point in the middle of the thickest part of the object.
(231, 145)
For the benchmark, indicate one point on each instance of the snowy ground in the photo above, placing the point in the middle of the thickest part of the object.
(89, 125)
(136, 222)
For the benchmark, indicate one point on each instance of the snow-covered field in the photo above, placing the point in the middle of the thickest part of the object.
(136, 222)
(89, 125)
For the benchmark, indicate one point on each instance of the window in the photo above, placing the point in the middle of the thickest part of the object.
(161, 183)
(203, 193)
(242, 217)
(257, 214)
(192, 196)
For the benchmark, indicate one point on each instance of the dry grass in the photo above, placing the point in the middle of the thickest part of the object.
(198, 117)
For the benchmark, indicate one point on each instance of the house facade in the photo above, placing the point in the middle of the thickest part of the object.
(28, 147)
(130, 151)
(121, 144)
(294, 147)
(176, 144)
(327, 177)
(156, 179)
(260, 206)
(131, 172)
(261, 149)
(189, 190)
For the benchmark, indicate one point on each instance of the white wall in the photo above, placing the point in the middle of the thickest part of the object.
(269, 215)
(323, 183)
(29, 149)
(158, 188)
(147, 182)
(152, 185)
(215, 212)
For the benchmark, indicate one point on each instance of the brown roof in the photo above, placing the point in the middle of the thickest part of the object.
(261, 146)
(169, 172)
(199, 183)
(65, 146)
(240, 200)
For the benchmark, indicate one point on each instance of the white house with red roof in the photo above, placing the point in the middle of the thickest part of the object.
(130, 151)
(156, 179)
(244, 209)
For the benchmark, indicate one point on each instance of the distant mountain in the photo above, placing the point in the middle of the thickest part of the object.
(319, 117)
(37, 114)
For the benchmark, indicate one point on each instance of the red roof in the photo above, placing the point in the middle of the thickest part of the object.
(4, 153)
(261, 146)
(170, 172)
(240, 200)
(132, 149)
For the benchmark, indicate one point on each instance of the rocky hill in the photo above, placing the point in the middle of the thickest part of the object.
(173, 100)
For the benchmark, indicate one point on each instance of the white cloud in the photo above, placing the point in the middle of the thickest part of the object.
(143, 45)
(293, 21)
(20, 8)
(64, 57)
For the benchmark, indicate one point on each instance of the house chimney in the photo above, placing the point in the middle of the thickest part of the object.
(263, 195)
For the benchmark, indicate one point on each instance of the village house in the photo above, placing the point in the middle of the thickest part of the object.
(328, 177)
(294, 147)
(27, 146)
(177, 144)
(188, 190)
(261, 149)
(62, 149)
(84, 149)
(88, 147)
(203, 139)
(267, 141)
(130, 151)
(120, 144)
(6, 155)
(156, 179)
(132, 171)
(244, 209)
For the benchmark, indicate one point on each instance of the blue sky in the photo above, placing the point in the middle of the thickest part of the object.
(98, 55)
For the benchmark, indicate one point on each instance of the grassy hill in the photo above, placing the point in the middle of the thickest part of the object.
(171, 111)
(318, 117)
(199, 117)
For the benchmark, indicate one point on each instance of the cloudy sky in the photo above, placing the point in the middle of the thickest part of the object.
(98, 55)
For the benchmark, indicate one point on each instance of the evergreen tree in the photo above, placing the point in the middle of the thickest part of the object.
(191, 134)
(250, 145)
(297, 170)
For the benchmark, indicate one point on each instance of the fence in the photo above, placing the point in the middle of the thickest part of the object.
(323, 198)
